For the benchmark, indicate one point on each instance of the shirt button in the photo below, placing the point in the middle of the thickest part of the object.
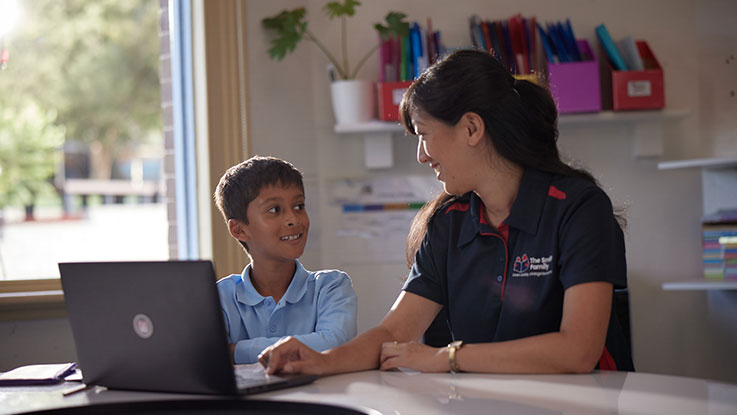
(499, 278)
(273, 329)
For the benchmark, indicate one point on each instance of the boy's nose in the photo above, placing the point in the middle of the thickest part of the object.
(291, 219)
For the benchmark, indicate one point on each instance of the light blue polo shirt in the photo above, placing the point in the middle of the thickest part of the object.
(319, 309)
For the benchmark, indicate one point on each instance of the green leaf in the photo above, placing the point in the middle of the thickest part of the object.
(289, 28)
(395, 26)
(336, 9)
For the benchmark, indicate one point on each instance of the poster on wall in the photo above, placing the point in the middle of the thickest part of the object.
(375, 215)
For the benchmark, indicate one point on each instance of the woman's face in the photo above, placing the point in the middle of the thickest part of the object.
(442, 147)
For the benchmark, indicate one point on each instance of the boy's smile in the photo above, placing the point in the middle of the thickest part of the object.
(277, 224)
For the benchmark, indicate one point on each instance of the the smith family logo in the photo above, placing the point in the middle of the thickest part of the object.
(525, 266)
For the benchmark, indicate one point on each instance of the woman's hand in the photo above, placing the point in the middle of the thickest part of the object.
(289, 355)
(415, 356)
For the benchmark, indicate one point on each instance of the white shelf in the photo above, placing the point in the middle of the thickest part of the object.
(603, 117)
(621, 116)
(373, 126)
(718, 180)
(712, 162)
(700, 285)
(646, 130)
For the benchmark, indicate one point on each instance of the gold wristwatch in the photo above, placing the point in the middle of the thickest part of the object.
(453, 348)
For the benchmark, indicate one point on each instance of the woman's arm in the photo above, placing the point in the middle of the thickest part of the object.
(576, 348)
(407, 320)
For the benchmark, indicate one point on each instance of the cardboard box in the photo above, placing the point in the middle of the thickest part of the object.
(575, 86)
(634, 90)
(390, 95)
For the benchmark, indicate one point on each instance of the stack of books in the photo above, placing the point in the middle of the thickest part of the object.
(404, 58)
(560, 44)
(719, 238)
(513, 41)
(624, 55)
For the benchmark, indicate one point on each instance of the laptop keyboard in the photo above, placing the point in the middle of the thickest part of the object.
(248, 375)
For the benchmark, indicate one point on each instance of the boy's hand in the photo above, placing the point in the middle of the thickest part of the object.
(289, 355)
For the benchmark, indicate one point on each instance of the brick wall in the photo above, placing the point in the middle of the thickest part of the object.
(168, 121)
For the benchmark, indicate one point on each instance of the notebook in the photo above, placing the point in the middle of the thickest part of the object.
(156, 326)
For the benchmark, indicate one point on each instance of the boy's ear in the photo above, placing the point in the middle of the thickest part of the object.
(238, 230)
(474, 128)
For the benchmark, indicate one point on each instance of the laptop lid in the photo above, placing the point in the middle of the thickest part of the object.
(154, 326)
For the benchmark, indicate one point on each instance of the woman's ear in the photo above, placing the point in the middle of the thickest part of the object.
(238, 230)
(474, 128)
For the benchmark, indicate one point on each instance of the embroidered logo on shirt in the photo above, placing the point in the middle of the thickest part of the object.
(530, 266)
(522, 264)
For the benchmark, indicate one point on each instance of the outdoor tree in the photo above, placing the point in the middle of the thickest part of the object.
(31, 133)
(94, 63)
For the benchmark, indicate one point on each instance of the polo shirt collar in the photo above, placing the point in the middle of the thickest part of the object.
(296, 290)
(528, 206)
(526, 209)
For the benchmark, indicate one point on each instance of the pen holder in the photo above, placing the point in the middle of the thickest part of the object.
(353, 101)
(390, 95)
(635, 90)
(575, 86)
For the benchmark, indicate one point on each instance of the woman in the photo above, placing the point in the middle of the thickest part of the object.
(521, 254)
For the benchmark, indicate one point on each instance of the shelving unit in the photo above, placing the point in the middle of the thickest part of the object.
(646, 125)
(719, 191)
(700, 285)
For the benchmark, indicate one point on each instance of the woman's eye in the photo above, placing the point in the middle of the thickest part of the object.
(275, 209)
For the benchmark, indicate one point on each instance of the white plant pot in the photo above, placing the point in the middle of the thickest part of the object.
(354, 101)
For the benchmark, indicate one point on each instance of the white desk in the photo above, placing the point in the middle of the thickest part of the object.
(401, 393)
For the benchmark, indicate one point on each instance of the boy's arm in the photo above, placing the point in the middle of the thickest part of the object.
(337, 307)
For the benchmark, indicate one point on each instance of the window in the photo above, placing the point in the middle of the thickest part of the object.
(82, 149)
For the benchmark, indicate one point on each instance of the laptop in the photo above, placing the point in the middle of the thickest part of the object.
(156, 326)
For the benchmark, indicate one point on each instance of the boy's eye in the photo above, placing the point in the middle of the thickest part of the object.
(274, 209)
(300, 206)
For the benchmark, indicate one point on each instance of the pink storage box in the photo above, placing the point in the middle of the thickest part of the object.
(575, 86)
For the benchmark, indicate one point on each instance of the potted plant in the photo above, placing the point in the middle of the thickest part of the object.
(353, 99)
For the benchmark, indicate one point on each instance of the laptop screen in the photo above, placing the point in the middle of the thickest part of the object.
(153, 326)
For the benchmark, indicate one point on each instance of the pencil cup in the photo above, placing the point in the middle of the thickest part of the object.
(354, 101)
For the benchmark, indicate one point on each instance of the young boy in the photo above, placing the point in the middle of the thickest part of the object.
(263, 202)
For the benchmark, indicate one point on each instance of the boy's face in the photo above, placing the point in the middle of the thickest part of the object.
(277, 224)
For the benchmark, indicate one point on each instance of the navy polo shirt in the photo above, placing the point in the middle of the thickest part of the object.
(508, 283)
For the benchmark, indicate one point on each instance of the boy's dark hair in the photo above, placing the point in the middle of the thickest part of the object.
(242, 183)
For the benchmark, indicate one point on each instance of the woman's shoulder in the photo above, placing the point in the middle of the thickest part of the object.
(459, 203)
(575, 189)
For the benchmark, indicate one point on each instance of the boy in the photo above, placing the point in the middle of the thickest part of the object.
(262, 200)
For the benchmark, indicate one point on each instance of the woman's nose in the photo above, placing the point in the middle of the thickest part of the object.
(422, 157)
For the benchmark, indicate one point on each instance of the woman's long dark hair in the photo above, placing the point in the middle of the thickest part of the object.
(520, 118)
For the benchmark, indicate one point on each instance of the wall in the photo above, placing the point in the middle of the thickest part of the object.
(682, 333)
